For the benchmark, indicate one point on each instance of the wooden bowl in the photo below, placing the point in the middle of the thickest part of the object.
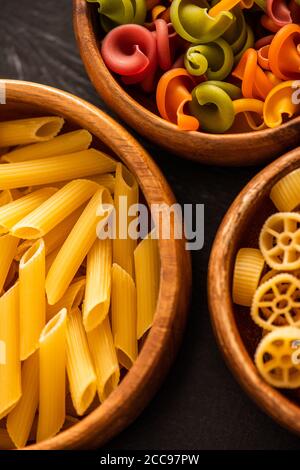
(140, 113)
(142, 381)
(236, 333)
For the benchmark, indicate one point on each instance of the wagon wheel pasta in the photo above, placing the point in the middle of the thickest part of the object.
(279, 241)
(248, 268)
(73, 302)
(273, 358)
(277, 302)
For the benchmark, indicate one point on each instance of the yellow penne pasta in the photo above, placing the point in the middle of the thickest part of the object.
(27, 131)
(147, 267)
(108, 181)
(10, 364)
(12, 276)
(55, 209)
(22, 248)
(14, 211)
(54, 239)
(80, 369)
(105, 359)
(98, 284)
(126, 195)
(52, 382)
(5, 197)
(71, 142)
(8, 248)
(71, 300)
(61, 168)
(50, 259)
(77, 245)
(32, 298)
(20, 419)
(124, 318)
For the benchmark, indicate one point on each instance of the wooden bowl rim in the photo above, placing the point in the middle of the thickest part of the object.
(125, 146)
(229, 340)
(95, 66)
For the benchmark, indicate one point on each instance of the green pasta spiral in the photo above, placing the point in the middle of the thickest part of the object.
(215, 59)
(117, 12)
(212, 105)
(239, 35)
(192, 22)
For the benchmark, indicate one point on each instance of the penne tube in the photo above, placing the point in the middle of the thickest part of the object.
(124, 318)
(108, 181)
(77, 245)
(32, 298)
(5, 197)
(80, 369)
(52, 378)
(14, 211)
(98, 284)
(60, 168)
(23, 247)
(27, 131)
(54, 210)
(64, 144)
(147, 268)
(50, 258)
(8, 248)
(105, 359)
(54, 239)
(20, 419)
(126, 195)
(10, 364)
(12, 275)
(71, 300)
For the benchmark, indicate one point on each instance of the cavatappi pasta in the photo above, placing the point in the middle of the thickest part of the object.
(266, 279)
(73, 305)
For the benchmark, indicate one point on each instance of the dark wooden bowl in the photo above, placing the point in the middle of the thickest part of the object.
(235, 331)
(140, 113)
(158, 352)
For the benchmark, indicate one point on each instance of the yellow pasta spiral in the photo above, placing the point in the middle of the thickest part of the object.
(285, 194)
(248, 267)
(274, 358)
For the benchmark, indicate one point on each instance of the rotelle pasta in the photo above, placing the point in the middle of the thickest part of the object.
(175, 45)
(75, 302)
(266, 280)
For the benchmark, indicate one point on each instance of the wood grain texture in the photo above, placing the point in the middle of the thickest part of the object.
(226, 150)
(159, 350)
(236, 333)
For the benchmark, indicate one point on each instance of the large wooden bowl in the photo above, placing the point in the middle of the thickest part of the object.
(140, 113)
(159, 349)
(235, 331)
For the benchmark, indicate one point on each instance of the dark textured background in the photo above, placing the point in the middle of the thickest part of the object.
(200, 406)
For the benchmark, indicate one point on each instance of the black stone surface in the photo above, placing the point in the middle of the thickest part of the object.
(200, 406)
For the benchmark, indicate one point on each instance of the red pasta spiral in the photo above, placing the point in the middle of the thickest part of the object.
(130, 51)
(166, 40)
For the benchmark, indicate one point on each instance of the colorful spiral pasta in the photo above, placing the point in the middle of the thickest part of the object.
(213, 106)
(173, 93)
(214, 59)
(117, 12)
(130, 51)
(187, 15)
